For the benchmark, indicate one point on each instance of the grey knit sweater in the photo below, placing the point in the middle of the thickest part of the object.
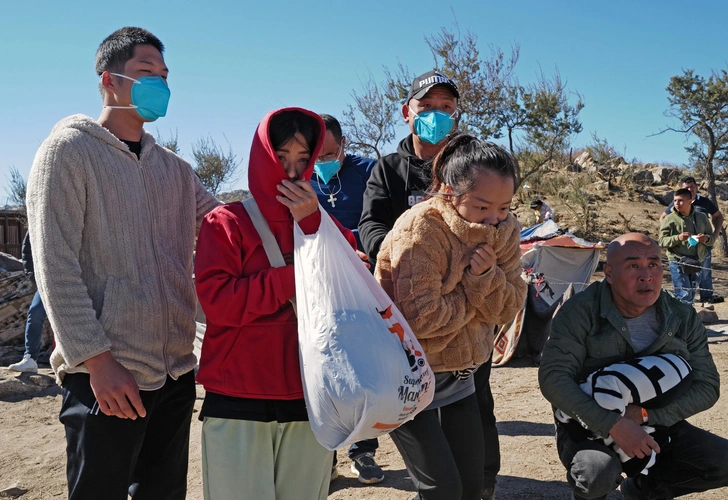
(112, 240)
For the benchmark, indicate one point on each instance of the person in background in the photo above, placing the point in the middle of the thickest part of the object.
(686, 232)
(542, 211)
(703, 204)
(623, 316)
(339, 181)
(36, 317)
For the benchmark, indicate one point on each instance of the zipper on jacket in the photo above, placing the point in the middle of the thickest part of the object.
(165, 324)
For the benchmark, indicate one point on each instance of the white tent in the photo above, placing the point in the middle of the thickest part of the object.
(554, 264)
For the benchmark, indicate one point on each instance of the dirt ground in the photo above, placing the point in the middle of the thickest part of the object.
(32, 443)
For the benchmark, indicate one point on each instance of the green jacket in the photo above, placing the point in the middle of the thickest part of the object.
(694, 223)
(588, 333)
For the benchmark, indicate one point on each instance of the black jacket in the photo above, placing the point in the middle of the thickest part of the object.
(27, 256)
(398, 181)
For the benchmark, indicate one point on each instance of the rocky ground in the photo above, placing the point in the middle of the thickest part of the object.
(33, 444)
(32, 461)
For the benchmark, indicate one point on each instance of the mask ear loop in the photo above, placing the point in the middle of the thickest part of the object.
(130, 106)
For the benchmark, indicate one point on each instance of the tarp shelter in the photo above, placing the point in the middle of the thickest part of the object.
(551, 266)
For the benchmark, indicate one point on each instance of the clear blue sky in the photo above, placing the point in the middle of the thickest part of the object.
(231, 62)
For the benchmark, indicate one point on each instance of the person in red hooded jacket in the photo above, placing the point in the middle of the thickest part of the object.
(256, 439)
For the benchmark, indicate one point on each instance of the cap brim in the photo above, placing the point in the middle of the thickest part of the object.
(423, 91)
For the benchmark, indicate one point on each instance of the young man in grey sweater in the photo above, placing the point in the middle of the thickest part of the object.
(113, 218)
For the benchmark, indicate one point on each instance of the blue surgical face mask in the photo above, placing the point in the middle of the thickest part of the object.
(433, 126)
(149, 96)
(326, 169)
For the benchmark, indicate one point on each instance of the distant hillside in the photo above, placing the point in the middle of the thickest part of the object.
(238, 194)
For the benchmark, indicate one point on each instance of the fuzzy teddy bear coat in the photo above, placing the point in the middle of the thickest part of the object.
(423, 265)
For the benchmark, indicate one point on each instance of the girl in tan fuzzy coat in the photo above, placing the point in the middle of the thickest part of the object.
(452, 266)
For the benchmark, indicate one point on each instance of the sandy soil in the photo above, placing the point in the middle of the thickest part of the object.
(33, 443)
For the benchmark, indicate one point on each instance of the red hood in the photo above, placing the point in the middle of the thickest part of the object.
(265, 171)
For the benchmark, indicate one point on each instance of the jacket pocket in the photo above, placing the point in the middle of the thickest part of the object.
(110, 305)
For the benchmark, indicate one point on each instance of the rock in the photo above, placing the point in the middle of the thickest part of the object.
(573, 168)
(12, 332)
(618, 162)
(664, 175)
(643, 177)
(585, 161)
(600, 188)
(13, 385)
(13, 492)
(721, 190)
(707, 316)
(42, 380)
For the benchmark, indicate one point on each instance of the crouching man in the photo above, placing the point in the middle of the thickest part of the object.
(624, 316)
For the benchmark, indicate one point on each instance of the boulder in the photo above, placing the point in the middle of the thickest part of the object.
(15, 385)
(707, 316)
(13, 491)
(585, 161)
(721, 190)
(42, 380)
(599, 188)
(643, 177)
(664, 175)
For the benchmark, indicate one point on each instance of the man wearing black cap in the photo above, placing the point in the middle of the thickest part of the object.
(399, 180)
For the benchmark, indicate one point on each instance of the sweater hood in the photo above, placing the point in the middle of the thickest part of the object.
(88, 125)
(265, 171)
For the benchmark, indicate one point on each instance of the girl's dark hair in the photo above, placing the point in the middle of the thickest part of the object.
(287, 124)
(463, 158)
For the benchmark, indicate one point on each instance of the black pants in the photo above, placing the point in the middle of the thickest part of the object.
(361, 448)
(487, 416)
(695, 460)
(443, 451)
(111, 458)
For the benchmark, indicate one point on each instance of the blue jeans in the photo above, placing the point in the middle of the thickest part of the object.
(34, 327)
(705, 281)
(695, 460)
(683, 284)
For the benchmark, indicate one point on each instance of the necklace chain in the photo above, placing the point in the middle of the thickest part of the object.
(331, 192)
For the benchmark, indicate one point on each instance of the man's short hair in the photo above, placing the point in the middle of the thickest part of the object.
(118, 48)
(684, 192)
(333, 125)
(689, 180)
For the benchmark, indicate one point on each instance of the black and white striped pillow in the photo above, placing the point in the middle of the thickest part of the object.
(648, 381)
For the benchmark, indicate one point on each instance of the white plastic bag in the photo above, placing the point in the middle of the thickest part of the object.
(364, 372)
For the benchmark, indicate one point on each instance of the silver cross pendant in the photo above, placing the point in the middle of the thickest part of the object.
(332, 199)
